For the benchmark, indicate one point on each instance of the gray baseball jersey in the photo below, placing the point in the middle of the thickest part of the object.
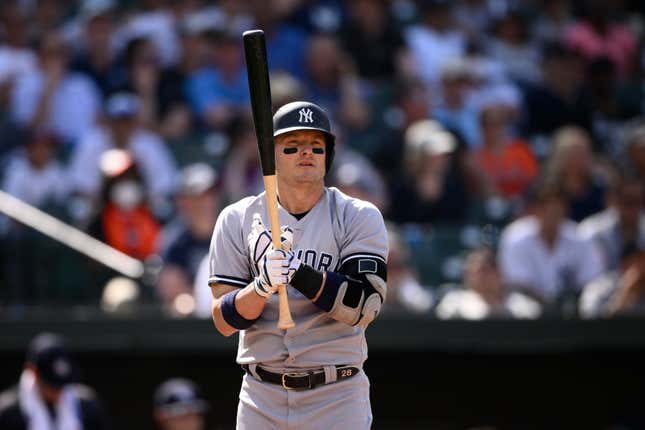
(336, 230)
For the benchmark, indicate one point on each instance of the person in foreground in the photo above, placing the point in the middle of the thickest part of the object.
(333, 262)
(48, 396)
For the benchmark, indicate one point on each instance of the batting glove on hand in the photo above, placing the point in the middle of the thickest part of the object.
(277, 267)
(260, 240)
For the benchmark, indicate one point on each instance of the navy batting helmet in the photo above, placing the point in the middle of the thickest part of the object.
(305, 116)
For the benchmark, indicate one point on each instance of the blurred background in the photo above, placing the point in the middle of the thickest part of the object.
(503, 141)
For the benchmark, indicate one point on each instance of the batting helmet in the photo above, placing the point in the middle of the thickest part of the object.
(305, 116)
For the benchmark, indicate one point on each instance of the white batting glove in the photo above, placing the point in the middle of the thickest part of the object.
(259, 240)
(277, 267)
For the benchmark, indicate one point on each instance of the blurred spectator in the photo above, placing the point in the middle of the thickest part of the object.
(16, 58)
(435, 187)
(483, 295)
(598, 35)
(473, 17)
(553, 20)
(505, 161)
(121, 131)
(511, 46)
(122, 217)
(355, 175)
(453, 111)
(51, 96)
(411, 104)
(156, 21)
(332, 82)
(622, 224)
(96, 53)
(286, 42)
(571, 164)
(48, 395)
(633, 154)
(543, 254)
(405, 292)
(561, 99)
(219, 92)
(179, 405)
(372, 39)
(198, 204)
(164, 108)
(434, 41)
(620, 291)
(34, 175)
(242, 171)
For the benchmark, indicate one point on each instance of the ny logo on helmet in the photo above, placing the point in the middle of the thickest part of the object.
(306, 115)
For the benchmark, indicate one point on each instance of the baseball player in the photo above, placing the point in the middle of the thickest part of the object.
(333, 261)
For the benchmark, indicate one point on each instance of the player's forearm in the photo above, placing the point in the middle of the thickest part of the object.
(353, 300)
(237, 309)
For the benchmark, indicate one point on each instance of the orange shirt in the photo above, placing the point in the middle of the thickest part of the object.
(134, 233)
(510, 169)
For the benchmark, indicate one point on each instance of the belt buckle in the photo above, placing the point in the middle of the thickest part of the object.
(294, 375)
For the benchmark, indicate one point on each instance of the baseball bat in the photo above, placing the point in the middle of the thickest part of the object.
(258, 76)
(70, 236)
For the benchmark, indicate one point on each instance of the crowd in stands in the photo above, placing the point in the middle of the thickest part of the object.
(504, 142)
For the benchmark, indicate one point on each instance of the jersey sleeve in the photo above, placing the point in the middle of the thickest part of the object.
(364, 246)
(228, 260)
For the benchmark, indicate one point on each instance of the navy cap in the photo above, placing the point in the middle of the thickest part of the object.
(179, 396)
(52, 361)
(122, 105)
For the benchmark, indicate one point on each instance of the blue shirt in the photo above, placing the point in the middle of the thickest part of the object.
(206, 87)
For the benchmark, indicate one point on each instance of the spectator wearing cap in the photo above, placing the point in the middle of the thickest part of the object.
(622, 224)
(48, 396)
(197, 200)
(179, 405)
(121, 130)
(543, 254)
(53, 96)
(435, 184)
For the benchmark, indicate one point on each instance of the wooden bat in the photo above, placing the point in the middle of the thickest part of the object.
(258, 75)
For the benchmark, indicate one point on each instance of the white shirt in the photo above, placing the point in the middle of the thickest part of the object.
(34, 186)
(15, 62)
(525, 260)
(73, 107)
(467, 304)
(150, 153)
(431, 50)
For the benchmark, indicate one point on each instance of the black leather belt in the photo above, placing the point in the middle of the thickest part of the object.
(302, 380)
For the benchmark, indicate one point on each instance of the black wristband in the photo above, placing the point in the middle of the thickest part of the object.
(307, 280)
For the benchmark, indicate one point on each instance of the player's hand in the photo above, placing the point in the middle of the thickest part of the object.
(277, 267)
(260, 240)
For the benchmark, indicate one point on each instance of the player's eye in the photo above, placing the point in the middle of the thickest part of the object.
(316, 150)
(290, 150)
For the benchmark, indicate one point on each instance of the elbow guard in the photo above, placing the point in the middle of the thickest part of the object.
(355, 298)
